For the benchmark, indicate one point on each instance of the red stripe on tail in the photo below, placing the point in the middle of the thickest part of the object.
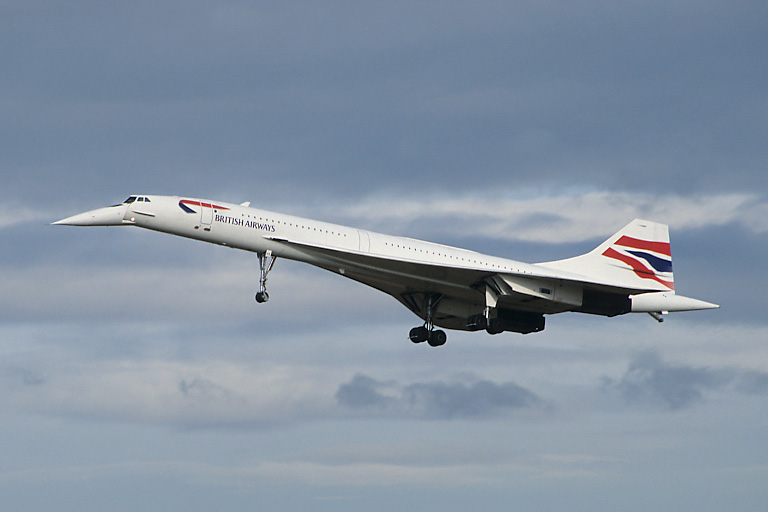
(635, 243)
(641, 270)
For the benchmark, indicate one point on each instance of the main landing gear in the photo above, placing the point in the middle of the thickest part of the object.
(427, 332)
(266, 262)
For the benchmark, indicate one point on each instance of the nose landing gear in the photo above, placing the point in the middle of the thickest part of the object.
(266, 262)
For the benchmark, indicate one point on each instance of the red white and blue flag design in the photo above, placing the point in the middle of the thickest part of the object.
(648, 259)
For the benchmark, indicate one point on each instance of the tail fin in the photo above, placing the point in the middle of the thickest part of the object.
(637, 258)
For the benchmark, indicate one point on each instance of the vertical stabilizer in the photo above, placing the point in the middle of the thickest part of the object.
(637, 257)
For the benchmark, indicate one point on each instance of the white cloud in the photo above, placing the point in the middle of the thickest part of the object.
(202, 380)
(171, 392)
(370, 473)
(550, 218)
(15, 214)
(223, 289)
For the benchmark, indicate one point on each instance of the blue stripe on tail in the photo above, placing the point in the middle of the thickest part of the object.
(658, 264)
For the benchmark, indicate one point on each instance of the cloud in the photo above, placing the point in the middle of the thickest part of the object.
(12, 214)
(753, 382)
(394, 468)
(441, 400)
(178, 291)
(202, 387)
(436, 400)
(651, 381)
(20, 376)
(208, 394)
(187, 394)
(363, 392)
(549, 218)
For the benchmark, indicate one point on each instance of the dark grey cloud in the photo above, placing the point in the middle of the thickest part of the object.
(753, 382)
(438, 400)
(443, 400)
(202, 387)
(17, 375)
(363, 392)
(396, 97)
(719, 262)
(651, 381)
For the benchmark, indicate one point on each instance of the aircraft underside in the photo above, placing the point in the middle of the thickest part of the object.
(462, 306)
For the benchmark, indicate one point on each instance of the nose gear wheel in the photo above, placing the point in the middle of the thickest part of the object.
(266, 262)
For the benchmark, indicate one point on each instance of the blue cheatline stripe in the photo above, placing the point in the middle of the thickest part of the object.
(658, 264)
(186, 208)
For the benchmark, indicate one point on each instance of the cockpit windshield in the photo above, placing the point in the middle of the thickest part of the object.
(140, 199)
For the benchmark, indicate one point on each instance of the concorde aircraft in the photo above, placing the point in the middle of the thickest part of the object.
(447, 287)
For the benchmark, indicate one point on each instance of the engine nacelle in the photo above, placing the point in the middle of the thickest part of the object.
(507, 320)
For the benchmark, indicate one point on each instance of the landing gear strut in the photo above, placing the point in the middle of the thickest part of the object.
(427, 332)
(266, 262)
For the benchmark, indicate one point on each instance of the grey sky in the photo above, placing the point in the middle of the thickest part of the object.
(137, 372)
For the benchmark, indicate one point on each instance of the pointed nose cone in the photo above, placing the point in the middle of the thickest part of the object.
(110, 216)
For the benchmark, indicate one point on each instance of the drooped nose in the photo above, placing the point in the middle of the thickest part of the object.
(109, 216)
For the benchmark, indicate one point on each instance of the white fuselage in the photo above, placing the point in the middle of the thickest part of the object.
(256, 230)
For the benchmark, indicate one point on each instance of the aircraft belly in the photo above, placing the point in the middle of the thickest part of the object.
(461, 289)
(407, 285)
(522, 302)
(407, 275)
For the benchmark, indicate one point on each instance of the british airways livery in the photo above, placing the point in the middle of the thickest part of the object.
(447, 287)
